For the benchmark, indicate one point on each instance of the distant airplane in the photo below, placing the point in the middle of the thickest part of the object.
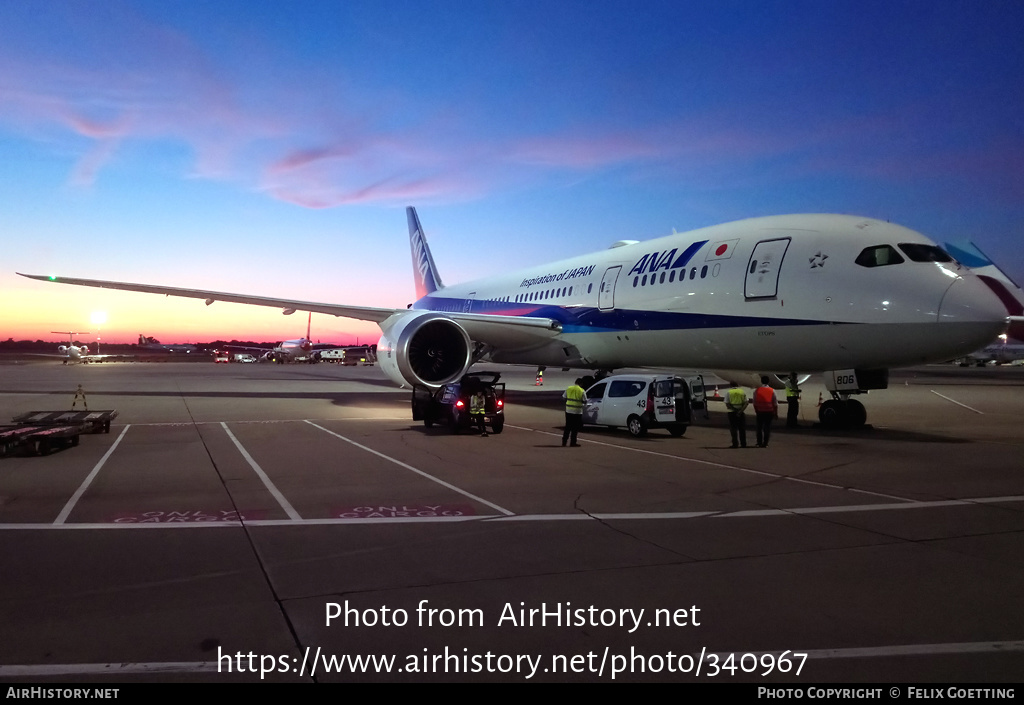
(286, 350)
(72, 353)
(846, 296)
(150, 343)
(1001, 352)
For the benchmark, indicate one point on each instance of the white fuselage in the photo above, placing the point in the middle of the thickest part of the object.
(776, 293)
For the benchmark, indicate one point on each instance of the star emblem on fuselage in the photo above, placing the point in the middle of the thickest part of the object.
(818, 260)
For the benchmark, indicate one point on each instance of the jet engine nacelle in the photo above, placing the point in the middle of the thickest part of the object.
(62, 349)
(753, 379)
(425, 348)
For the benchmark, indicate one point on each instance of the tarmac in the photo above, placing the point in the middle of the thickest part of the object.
(291, 523)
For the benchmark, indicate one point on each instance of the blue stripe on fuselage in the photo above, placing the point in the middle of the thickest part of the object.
(586, 319)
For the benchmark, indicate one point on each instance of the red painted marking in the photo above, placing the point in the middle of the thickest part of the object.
(721, 250)
(198, 516)
(395, 511)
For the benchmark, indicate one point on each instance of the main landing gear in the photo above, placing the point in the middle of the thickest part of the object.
(841, 411)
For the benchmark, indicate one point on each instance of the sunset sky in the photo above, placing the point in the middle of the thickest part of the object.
(270, 148)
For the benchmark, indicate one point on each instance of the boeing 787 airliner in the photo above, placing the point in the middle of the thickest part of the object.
(847, 296)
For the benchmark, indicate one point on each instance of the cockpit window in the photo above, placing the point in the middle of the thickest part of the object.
(878, 256)
(924, 253)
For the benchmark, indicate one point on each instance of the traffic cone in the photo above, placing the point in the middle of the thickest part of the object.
(716, 393)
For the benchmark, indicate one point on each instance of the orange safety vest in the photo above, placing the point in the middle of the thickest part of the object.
(764, 400)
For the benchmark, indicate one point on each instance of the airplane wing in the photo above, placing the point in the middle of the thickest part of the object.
(507, 332)
(362, 313)
(499, 331)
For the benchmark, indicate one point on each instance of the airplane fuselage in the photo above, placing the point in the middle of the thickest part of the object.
(800, 292)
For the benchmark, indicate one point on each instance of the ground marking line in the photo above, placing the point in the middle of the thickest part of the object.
(439, 481)
(969, 408)
(271, 487)
(723, 465)
(975, 647)
(66, 511)
(203, 423)
(627, 516)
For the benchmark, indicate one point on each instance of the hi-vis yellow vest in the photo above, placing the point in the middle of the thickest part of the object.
(736, 399)
(574, 397)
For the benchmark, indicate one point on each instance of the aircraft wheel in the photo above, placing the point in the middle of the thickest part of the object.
(637, 427)
(833, 414)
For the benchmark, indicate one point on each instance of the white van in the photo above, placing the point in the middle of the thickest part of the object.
(639, 402)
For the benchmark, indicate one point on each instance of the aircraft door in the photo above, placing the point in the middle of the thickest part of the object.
(467, 305)
(763, 270)
(606, 296)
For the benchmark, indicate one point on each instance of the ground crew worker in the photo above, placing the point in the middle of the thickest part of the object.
(766, 407)
(575, 398)
(736, 402)
(477, 409)
(79, 394)
(792, 401)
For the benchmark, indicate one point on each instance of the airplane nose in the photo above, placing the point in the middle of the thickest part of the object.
(973, 307)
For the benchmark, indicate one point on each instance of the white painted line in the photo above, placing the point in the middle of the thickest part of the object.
(84, 669)
(895, 650)
(285, 504)
(375, 520)
(627, 516)
(721, 465)
(605, 517)
(972, 647)
(969, 408)
(127, 525)
(201, 423)
(66, 511)
(439, 481)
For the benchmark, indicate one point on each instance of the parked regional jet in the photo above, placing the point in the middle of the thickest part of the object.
(843, 295)
(72, 353)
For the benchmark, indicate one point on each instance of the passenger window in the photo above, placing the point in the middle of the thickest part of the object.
(597, 391)
(703, 271)
(753, 266)
(663, 388)
(878, 256)
(625, 388)
(924, 253)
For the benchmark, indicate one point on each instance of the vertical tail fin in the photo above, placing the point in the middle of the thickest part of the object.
(424, 270)
(1012, 296)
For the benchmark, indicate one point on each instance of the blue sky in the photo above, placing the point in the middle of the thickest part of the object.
(269, 148)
